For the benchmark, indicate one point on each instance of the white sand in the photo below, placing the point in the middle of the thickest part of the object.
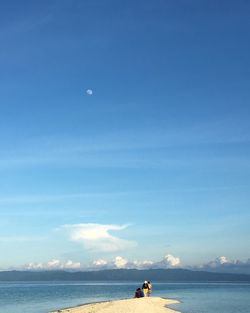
(140, 305)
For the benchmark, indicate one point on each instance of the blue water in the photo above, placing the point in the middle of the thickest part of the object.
(43, 297)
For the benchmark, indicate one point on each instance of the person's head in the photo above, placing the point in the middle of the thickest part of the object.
(138, 289)
(148, 282)
(145, 282)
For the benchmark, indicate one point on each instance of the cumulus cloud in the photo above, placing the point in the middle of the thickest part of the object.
(97, 237)
(223, 265)
(220, 265)
(169, 261)
(118, 262)
(143, 264)
(100, 263)
(53, 265)
(219, 261)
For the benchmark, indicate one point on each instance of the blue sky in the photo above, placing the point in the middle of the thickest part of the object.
(154, 165)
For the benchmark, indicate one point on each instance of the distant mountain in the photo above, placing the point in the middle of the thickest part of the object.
(155, 275)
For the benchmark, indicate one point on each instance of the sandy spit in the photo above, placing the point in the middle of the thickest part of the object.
(140, 305)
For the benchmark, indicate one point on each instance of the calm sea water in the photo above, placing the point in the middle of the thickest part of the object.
(40, 297)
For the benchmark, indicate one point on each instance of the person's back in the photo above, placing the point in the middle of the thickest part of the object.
(138, 293)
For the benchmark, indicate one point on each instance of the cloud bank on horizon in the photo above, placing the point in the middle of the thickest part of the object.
(99, 238)
(223, 264)
(220, 264)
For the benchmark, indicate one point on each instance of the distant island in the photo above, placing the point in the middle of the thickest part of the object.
(156, 275)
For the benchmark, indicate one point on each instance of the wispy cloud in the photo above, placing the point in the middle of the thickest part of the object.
(21, 238)
(41, 198)
(126, 161)
(120, 150)
(50, 198)
(27, 24)
(97, 237)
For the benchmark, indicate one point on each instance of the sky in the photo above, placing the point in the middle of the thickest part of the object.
(124, 134)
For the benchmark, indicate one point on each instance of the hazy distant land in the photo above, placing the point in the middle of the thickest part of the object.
(156, 275)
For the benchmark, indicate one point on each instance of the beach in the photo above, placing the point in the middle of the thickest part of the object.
(136, 305)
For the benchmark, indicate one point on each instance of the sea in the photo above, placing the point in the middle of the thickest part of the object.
(43, 297)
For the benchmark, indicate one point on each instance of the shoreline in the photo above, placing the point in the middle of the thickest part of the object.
(132, 305)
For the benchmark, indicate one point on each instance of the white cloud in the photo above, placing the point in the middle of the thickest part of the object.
(169, 261)
(219, 261)
(223, 260)
(21, 238)
(100, 263)
(53, 265)
(97, 237)
(222, 264)
(143, 264)
(120, 262)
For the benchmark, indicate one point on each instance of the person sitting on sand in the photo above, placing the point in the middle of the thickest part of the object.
(139, 293)
(145, 289)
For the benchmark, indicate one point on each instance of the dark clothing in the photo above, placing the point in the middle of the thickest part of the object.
(139, 293)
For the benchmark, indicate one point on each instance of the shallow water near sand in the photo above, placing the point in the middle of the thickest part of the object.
(42, 297)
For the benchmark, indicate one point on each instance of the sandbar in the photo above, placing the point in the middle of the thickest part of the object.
(137, 305)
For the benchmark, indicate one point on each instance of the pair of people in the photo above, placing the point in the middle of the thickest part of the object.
(145, 291)
(147, 288)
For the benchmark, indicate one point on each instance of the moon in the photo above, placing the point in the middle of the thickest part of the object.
(89, 92)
